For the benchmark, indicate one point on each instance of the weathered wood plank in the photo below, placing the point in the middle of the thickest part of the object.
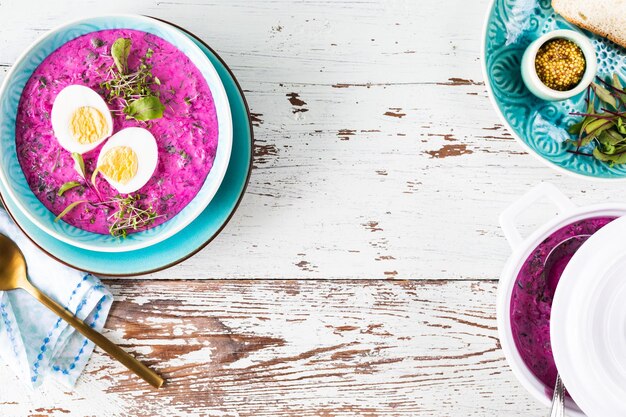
(296, 348)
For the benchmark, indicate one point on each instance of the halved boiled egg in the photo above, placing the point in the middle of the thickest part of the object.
(128, 159)
(81, 119)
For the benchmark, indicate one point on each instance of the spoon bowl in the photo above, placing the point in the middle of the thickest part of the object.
(13, 265)
(559, 257)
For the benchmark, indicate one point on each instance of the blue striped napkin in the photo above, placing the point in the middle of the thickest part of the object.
(34, 341)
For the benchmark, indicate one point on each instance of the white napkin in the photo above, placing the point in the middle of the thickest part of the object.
(34, 341)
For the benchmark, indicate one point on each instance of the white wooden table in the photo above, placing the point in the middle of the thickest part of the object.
(358, 276)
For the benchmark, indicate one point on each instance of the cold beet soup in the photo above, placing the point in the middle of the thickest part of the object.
(147, 85)
(531, 300)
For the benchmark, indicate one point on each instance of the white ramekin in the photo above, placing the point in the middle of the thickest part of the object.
(529, 73)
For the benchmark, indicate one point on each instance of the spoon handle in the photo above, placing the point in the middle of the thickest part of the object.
(558, 399)
(111, 348)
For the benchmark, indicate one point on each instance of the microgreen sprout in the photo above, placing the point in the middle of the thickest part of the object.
(130, 215)
(132, 90)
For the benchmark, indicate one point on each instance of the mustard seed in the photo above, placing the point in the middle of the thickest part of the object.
(560, 64)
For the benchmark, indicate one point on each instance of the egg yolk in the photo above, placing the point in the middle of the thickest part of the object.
(87, 125)
(119, 164)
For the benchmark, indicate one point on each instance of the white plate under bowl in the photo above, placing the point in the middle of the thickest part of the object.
(588, 323)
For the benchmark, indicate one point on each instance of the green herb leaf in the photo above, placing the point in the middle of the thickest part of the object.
(146, 108)
(586, 120)
(120, 51)
(599, 126)
(96, 42)
(575, 128)
(67, 186)
(616, 158)
(130, 215)
(610, 137)
(600, 155)
(619, 89)
(595, 124)
(616, 82)
(604, 95)
(68, 209)
(94, 175)
(43, 83)
(167, 197)
(79, 164)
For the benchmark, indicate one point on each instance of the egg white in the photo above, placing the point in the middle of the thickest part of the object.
(65, 104)
(144, 145)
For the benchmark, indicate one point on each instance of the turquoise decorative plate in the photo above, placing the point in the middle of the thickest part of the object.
(193, 237)
(14, 181)
(540, 125)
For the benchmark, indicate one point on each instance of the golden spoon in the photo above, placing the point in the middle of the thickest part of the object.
(13, 276)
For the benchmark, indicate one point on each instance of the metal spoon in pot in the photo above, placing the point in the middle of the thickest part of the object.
(560, 256)
(13, 276)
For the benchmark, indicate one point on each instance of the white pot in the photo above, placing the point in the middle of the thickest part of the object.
(568, 213)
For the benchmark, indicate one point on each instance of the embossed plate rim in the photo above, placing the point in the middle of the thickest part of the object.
(505, 122)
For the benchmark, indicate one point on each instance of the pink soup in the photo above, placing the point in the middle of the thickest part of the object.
(531, 301)
(186, 135)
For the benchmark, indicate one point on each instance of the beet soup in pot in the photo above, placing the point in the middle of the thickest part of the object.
(530, 278)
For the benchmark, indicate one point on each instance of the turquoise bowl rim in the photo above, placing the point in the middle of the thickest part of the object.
(505, 122)
(193, 242)
(11, 173)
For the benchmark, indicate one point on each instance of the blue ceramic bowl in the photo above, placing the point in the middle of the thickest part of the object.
(13, 180)
(538, 125)
(192, 238)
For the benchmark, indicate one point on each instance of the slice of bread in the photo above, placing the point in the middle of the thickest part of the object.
(606, 18)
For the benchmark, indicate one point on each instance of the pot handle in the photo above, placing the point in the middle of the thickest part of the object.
(508, 218)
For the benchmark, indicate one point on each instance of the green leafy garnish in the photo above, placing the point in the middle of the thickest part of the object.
(604, 127)
(67, 186)
(129, 87)
(68, 209)
(605, 95)
(619, 89)
(120, 51)
(43, 83)
(145, 108)
(130, 215)
(79, 164)
(93, 176)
